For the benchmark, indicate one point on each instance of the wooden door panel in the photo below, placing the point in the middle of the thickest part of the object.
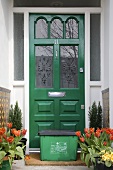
(67, 107)
(43, 107)
(68, 125)
(37, 127)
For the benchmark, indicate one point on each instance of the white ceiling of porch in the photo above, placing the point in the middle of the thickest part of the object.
(57, 3)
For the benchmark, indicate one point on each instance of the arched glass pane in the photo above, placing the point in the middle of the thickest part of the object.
(41, 29)
(71, 29)
(69, 66)
(56, 29)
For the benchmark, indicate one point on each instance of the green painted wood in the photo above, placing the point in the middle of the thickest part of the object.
(60, 112)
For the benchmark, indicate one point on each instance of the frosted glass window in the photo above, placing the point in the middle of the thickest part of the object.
(56, 29)
(18, 46)
(54, 3)
(71, 29)
(95, 47)
(41, 29)
(44, 66)
(69, 66)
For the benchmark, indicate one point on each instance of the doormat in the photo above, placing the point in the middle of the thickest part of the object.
(34, 160)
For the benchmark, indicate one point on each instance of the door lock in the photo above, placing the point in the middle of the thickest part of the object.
(81, 70)
(82, 107)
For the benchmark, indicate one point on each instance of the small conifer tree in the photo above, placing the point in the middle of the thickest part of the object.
(95, 116)
(15, 116)
(99, 117)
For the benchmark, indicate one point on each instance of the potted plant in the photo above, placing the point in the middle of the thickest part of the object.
(9, 148)
(104, 159)
(93, 142)
(15, 117)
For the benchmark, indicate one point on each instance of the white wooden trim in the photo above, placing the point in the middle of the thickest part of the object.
(87, 65)
(58, 10)
(26, 75)
(95, 83)
(88, 83)
(102, 50)
(11, 54)
(18, 83)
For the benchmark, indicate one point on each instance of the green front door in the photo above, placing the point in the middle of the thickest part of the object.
(56, 74)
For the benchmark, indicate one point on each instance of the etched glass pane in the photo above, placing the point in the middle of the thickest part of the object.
(69, 66)
(44, 68)
(95, 47)
(41, 29)
(56, 29)
(71, 29)
(18, 46)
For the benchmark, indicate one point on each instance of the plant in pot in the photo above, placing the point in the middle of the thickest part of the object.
(15, 117)
(104, 159)
(9, 145)
(93, 142)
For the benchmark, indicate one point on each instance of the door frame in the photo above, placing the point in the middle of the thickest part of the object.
(24, 85)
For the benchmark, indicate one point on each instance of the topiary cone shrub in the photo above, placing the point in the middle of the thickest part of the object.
(15, 116)
(95, 116)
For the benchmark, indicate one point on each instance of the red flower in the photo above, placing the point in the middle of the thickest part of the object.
(10, 139)
(107, 130)
(97, 134)
(9, 125)
(2, 131)
(111, 131)
(104, 143)
(78, 133)
(111, 137)
(88, 135)
(99, 130)
(12, 130)
(86, 130)
(82, 139)
(17, 132)
(91, 130)
(24, 132)
(27, 157)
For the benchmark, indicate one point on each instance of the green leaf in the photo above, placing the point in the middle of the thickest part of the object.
(108, 164)
(82, 156)
(2, 154)
(87, 160)
(12, 153)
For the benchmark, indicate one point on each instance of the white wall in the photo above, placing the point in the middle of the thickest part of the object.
(4, 43)
(108, 54)
(111, 60)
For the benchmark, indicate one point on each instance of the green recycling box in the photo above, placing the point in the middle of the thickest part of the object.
(58, 145)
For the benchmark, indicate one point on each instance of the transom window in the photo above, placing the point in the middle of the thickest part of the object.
(54, 28)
